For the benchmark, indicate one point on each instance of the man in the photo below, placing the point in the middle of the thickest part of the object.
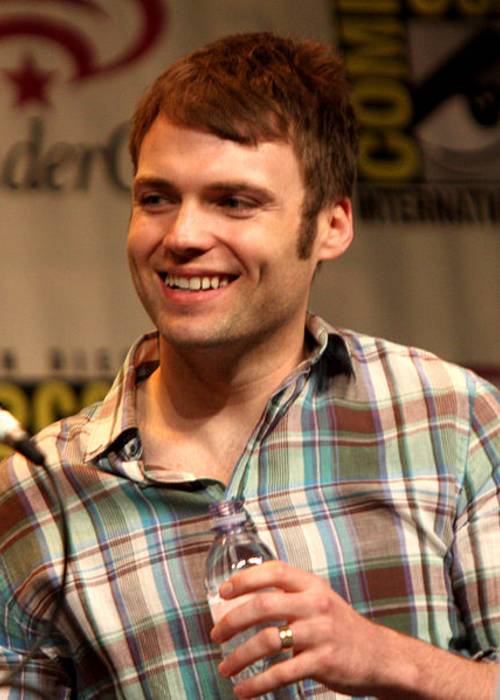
(369, 468)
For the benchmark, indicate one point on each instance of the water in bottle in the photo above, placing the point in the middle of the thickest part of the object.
(237, 546)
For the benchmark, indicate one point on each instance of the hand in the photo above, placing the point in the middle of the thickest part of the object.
(333, 644)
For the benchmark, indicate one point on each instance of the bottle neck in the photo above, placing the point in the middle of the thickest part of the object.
(228, 516)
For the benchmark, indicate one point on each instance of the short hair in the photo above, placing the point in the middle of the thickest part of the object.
(258, 87)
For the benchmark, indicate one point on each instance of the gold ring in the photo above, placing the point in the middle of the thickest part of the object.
(286, 637)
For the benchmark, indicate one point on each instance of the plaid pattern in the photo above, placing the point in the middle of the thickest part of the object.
(384, 481)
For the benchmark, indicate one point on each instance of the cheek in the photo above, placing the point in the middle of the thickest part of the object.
(140, 242)
(133, 251)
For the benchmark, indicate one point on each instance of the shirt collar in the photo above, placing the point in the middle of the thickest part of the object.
(116, 415)
(330, 350)
(114, 434)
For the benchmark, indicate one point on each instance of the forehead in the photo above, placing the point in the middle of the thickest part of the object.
(178, 152)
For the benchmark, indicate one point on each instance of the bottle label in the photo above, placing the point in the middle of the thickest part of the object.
(220, 606)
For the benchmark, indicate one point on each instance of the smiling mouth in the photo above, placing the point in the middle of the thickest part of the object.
(196, 284)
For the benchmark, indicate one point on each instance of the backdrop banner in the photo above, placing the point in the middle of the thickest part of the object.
(424, 266)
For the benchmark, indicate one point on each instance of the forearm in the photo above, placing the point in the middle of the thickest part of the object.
(414, 670)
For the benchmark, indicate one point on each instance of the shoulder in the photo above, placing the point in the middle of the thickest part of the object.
(437, 409)
(63, 442)
(404, 385)
(57, 441)
(66, 441)
(385, 369)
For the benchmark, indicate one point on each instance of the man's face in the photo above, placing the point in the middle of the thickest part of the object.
(213, 239)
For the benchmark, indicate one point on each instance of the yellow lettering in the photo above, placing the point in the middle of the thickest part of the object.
(16, 402)
(378, 46)
(382, 102)
(388, 155)
(94, 391)
(52, 400)
(13, 398)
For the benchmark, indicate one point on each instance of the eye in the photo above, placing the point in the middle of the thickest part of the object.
(237, 206)
(153, 200)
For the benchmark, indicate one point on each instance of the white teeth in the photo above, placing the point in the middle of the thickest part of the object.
(182, 282)
(196, 283)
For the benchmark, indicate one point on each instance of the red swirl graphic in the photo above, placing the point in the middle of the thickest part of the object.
(78, 45)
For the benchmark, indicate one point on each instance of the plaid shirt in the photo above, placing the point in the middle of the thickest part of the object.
(373, 466)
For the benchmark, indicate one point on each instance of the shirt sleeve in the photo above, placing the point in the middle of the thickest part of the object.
(21, 624)
(40, 678)
(476, 550)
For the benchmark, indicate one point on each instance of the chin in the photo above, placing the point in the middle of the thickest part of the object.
(192, 341)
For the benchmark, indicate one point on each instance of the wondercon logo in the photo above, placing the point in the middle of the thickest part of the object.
(72, 28)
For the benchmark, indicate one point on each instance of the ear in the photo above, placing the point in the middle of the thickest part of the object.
(335, 231)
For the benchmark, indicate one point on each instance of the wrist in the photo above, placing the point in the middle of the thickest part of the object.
(416, 670)
(398, 671)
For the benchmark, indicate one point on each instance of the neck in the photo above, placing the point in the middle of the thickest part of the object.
(197, 411)
(193, 386)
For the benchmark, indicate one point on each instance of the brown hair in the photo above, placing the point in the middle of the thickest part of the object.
(259, 87)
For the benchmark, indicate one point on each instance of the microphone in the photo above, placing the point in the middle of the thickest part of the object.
(13, 435)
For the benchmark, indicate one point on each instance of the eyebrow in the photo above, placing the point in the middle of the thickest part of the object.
(223, 186)
(155, 182)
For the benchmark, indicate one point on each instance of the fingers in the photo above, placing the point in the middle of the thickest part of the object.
(272, 574)
(289, 594)
(265, 643)
(276, 676)
(277, 593)
(264, 607)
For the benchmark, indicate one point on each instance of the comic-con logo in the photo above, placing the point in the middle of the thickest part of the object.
(76, 29)
(426, 88)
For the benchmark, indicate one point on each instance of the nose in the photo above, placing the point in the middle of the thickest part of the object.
(188, 232)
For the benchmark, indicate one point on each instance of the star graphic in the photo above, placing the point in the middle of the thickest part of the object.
(30, 82)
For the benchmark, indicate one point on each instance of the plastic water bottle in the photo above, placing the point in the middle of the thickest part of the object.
(237, 546)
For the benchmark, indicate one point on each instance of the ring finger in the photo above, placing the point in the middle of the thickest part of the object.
(268, 642)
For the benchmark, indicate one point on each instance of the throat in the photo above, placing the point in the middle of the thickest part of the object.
(189, 457)
(204, 443)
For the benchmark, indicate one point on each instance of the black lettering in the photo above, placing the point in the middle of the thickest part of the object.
(8, 359)
(58, 156)
(63, 166)
(22, 163)
(56, 359)
(113, 157)
(429, 204)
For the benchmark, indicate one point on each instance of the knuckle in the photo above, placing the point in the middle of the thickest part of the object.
(327, 653)
(269, 636)
(324, 603)
(263, 603)
(229, 620)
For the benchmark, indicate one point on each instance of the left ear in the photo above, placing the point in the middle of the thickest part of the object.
(335, 231)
